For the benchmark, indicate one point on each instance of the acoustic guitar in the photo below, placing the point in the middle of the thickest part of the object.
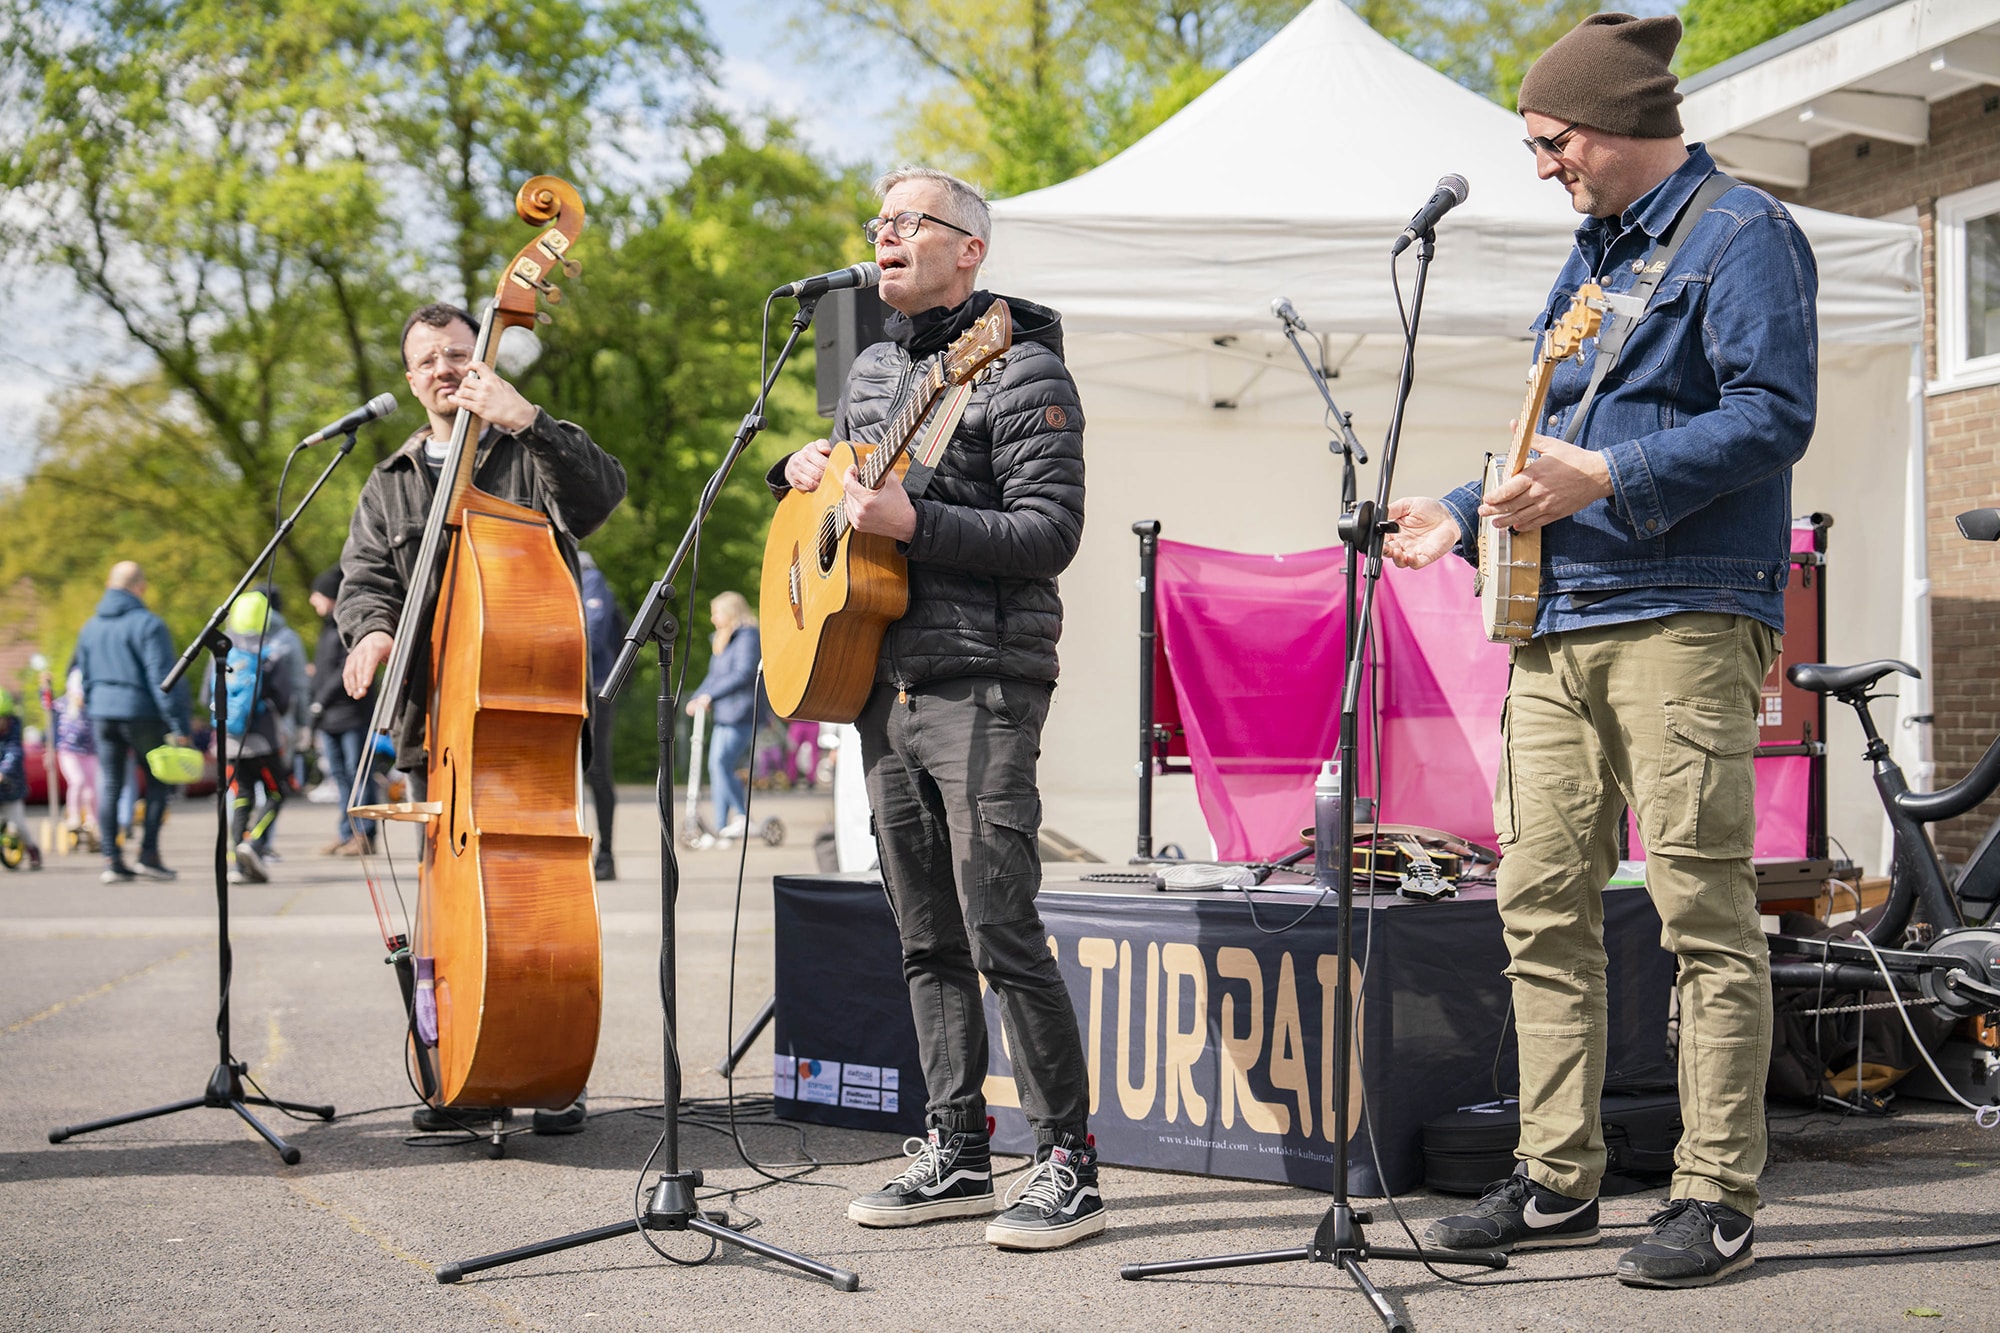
(829, 593)
(1510, 563)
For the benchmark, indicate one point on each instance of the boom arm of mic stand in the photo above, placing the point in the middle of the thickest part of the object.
(1348, 442)
(646, 621)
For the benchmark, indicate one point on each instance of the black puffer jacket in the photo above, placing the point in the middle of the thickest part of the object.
(1003, 514)
(553, 467)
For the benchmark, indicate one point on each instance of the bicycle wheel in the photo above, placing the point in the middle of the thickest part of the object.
(13, 848)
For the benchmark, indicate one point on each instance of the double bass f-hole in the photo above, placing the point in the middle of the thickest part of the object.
(454, 834)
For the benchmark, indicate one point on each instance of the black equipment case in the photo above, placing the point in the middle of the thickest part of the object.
(1471, 1148)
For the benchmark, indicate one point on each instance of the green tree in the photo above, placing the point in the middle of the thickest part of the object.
(1031, 92)
(258, 191)
(1719, 29)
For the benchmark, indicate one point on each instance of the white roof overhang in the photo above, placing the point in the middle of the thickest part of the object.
(1871, 68)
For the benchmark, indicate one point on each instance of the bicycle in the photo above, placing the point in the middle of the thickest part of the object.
(1958, 967)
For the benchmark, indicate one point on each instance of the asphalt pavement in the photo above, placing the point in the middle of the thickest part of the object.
(108, 999)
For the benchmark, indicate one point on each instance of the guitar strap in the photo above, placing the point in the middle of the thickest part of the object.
(930, 443)
(1629, 307)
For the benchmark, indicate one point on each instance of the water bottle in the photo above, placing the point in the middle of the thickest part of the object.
(1326, 822)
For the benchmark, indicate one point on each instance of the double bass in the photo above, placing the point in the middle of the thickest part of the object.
(503, 972)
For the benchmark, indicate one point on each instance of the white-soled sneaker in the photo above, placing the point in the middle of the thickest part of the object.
(949, 1175)
(1694, 1242)
(1054, 1204)
(1517, 1214)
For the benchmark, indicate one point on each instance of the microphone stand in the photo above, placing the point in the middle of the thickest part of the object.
(225, 1082)
(1339, 1238)
(672, 1206)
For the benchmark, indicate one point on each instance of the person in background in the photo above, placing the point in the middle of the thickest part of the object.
(342, 720)
(604, 625)
(14, 776)
(259, 687)
(295, 729)
(729, 691)
(123, 652)
(76, 756)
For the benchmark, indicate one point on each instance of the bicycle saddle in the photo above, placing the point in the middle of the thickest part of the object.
(1823, 679)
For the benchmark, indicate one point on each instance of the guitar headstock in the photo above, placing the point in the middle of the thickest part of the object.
(981, 345)
(1580, 321)
(552, 204)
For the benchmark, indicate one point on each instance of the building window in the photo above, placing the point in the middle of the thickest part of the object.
(1968, 278)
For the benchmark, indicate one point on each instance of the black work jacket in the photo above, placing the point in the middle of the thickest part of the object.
(552, 467)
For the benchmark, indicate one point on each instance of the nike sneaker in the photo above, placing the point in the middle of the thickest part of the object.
(1055, 1203)
(1518, 1214)
(949, 1175)
(1694, 1242)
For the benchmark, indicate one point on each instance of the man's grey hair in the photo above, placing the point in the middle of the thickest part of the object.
(964, 205)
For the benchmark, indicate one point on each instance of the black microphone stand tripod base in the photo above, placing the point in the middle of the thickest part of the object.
(225, 1082)
(672, 1206)
(1339, 1238)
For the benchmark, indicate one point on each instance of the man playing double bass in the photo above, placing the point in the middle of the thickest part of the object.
(1665, 532)
(525, 456)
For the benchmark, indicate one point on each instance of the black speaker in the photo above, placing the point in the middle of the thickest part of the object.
(846, 322)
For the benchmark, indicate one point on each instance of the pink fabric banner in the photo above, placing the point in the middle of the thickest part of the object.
(1254, 645)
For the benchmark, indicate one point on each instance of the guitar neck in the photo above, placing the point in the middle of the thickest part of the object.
(1531, 412)
(903, 427)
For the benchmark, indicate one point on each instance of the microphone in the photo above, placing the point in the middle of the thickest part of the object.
(854, 275)
(1449, 194)
(1281, 306)
(381, 405)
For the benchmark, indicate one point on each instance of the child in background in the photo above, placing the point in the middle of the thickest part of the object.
(14, 777)
(258, 700)
(76, 756)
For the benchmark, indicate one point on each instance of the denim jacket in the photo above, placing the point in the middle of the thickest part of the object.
(1704, 415)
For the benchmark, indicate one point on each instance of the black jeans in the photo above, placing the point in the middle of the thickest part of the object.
(120, 739)
(951, 780)
(603, 794)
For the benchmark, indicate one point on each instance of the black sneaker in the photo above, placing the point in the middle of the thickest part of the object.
(1055, 1203)
(949, 1175)
(428, 1119)
(569, 1120)
(1517, 1214)
(117, 873)
(603, 869)
(1694, 1242)
(154, 870)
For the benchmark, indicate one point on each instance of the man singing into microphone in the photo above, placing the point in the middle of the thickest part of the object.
(525, 456)
(952, 730)
(1665, 531)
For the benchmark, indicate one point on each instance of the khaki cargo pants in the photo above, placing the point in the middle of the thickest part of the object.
(1660, 715)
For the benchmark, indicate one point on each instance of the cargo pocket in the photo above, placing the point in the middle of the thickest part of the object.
(1703, 804)
(1009, 856)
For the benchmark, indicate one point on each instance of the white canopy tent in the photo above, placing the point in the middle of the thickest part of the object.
(1290, 177)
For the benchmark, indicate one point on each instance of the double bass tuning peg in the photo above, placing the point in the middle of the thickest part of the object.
(572, 268)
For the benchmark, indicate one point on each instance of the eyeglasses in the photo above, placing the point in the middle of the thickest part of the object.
(907, 223)
(1551, 144)
(458, 358)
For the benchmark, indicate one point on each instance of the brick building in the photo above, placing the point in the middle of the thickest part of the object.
(1891, 109)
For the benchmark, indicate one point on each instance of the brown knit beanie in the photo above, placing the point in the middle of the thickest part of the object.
(1610, 72)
